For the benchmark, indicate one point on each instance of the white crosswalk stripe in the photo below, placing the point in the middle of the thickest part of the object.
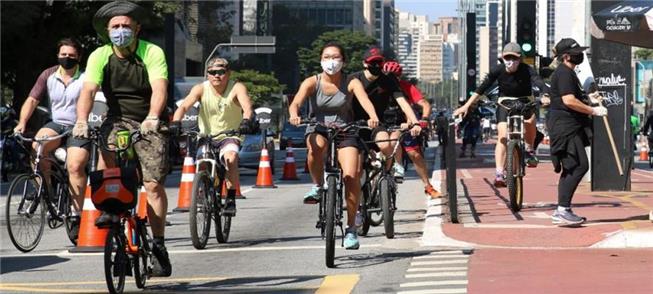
(439, 272)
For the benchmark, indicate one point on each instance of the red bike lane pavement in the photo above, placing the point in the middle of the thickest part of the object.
(524, 252)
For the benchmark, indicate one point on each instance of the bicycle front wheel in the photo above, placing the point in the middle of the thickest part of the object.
(115, 261)
(514, 175)
(25, 212)
(330, 220)
(365, 226)
(200, 210)
(140, 261)
(386, 207)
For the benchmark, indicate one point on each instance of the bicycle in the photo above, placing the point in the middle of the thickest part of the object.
(380, 187)
(518, 108)
(206, 202)
(28, 198)
(115, 191)
(330, 210)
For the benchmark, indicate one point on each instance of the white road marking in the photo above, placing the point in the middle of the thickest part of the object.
(436, 269)
(466, 173)
(436, 291)
(438, 262)
(437, 275)
(433, 283)
(435, 256)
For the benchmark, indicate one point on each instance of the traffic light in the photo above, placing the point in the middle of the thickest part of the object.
(526, 27)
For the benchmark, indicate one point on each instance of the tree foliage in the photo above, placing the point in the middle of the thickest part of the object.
(263, 88)
(642, 53)
(30, 31)
(354, 44)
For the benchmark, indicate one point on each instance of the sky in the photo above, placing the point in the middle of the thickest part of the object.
(432, 8)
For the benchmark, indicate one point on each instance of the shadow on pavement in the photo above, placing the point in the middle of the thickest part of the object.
(241, 285)
(643, 217)
(373, 258)
(28, 263)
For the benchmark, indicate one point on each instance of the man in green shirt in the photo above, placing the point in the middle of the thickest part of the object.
(133, 76)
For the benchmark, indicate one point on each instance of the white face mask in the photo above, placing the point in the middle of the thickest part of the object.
(511, 65)
(331, 66)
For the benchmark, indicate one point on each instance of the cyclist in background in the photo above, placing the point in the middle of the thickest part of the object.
(330, 97)
(515, 79)
(413, 145)
(389, 104)
(134, 78)
(61, 85)
(224, 105)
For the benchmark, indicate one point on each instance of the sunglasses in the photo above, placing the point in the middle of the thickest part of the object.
(217, 72)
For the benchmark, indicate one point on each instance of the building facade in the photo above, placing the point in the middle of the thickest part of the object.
(430, 59)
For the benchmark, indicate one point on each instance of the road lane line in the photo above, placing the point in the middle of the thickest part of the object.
(438, 262)
(436, 269)
(338, 284)
(433, 283)
(215, 250)
(434, 256)
(466, 173)
(50, 290)
(436, 291)
(246, 191)
(437, 275)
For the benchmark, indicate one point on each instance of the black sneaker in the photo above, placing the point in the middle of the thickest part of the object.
(106, 219)
(161, 266)
(566, 218)
(75, 221)
(230, 207)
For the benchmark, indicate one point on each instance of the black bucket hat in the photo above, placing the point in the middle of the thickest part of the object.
(117, 8)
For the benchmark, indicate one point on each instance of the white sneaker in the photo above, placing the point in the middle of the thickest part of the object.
(398, 170)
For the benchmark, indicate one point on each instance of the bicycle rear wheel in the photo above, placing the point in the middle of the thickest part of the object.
(386, 207)
(140, 261)
(222, 222)
(115, 260)
(330, 220)
(25, 212)
(514, 176)
(200, 210)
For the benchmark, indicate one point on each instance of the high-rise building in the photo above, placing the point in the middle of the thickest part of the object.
(429, 59)
(336, 14)
(411, 29)
(380, 22)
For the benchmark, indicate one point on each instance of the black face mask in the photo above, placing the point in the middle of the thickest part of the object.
(67, 62)
(576, 58)
(375, 69)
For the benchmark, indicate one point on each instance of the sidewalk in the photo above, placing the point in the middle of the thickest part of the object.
(525, 253)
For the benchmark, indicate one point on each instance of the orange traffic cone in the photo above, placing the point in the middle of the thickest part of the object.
(643, 154)
(142, 204)
(289, 168)
(264, 177)
(91, 238)
(238, 194)
(186, 185)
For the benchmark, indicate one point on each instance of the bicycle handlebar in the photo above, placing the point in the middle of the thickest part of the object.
(42, 139)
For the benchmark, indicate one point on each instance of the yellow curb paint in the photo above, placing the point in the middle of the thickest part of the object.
(629, 225)
(49, 290)
(338, 284)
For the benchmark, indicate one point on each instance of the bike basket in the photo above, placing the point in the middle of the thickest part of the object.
(114, 190)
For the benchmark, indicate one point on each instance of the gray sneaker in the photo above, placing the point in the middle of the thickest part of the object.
(566, 218)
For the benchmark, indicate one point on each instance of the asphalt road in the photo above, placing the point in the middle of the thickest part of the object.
(273, 248)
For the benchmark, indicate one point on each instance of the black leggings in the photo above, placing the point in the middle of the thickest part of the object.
(570, 178)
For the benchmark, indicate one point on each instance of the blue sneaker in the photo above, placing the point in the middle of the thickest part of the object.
(351, 241)
(312, 196)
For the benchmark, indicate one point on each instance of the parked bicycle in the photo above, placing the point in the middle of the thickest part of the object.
(518, 108)
(127, 248)
(380, 187)
(36, 197)
(207, 202)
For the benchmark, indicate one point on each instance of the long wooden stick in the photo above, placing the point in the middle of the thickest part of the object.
(614, 147)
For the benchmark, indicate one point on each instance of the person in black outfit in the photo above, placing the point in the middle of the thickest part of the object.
(389, 102)
(569, 126)
(648, 125)
(471, 126)
(515, 80)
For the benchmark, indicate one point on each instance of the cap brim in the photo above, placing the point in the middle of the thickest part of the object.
(511, 53)
(373, 58)
(578, 49)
